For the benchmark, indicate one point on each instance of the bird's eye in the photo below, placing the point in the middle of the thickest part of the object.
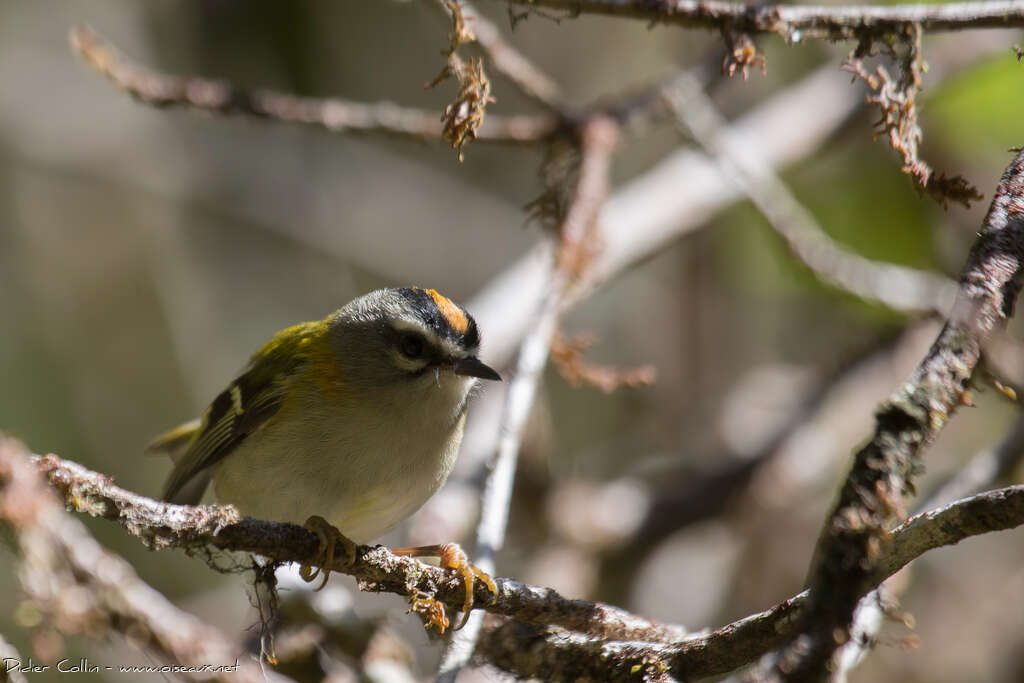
(411, 345)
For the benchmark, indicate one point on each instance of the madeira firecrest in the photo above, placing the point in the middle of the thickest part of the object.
(350, 422)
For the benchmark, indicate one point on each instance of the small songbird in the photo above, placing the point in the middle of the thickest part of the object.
(348, 424)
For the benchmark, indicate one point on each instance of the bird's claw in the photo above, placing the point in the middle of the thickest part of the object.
(329, 539)
(452, 556)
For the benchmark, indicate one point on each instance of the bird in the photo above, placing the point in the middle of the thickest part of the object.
(346, 425)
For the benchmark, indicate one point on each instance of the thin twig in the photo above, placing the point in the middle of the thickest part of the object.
(898, 287)
(996, 510)
(598, 142)
(510, 62)
(672, 199)
(570, 361)
(796, 22)
(497, 493)
(336, 115)
(679, 194)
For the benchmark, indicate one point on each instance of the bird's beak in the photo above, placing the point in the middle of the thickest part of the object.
(472, 367)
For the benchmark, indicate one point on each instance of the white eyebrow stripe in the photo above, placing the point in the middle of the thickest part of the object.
(402, 325)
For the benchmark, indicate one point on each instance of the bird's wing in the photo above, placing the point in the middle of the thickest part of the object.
(240, 410)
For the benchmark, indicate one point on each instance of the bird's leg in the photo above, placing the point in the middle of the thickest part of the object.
(329, 538)
(452, 557)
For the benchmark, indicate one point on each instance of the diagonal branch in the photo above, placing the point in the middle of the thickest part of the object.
(898, 287)
(856, 536)
(982, 472)
(670, 200)
(336, 115)
(678, 195)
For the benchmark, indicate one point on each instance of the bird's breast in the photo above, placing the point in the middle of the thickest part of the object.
(364, 474)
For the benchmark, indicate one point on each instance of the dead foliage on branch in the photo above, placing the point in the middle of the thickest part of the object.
(896, 99)
(464, 116)
(741, 53)
(567, 355)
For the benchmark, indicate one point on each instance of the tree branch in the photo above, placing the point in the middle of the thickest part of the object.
(85, 589)
(982, 472)
(996, 510)
(530, 650)
(336, 115)
(898, 287)
(678, 195)
(795, 22)
(855, 537)
(163, 525)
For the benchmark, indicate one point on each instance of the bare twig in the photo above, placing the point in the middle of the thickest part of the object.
(497, 493)
(898, 287)
(567, 355)
(576, 246)
(672, 199)
(341, 116)
(796, 22)
(981, 513)
(83, 588)
(680, 194)
(511, 63)
(855, 538)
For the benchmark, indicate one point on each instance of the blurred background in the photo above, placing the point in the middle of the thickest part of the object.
(145, 253)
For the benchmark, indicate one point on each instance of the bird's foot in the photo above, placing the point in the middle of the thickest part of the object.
(330, 538)
(452, 557)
